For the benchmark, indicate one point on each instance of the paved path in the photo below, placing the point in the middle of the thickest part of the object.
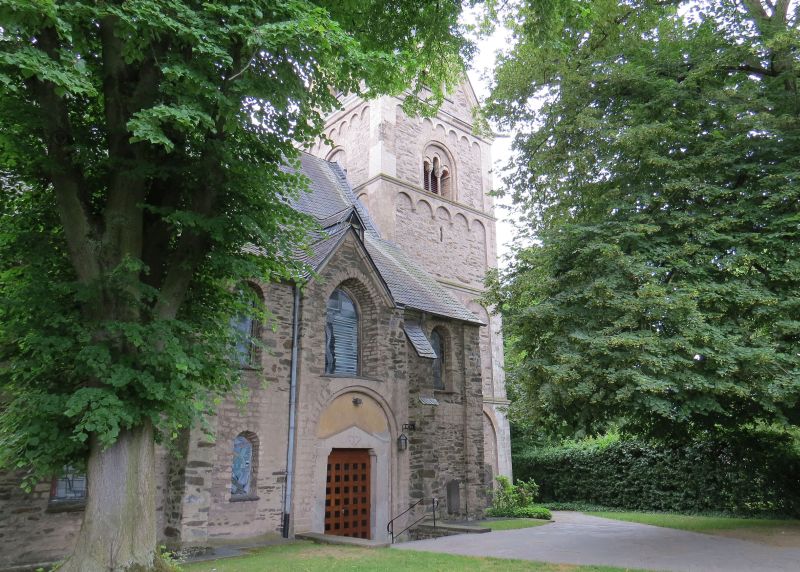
(576, 538)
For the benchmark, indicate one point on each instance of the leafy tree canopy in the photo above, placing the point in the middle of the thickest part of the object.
(657, 171)
(143, 146)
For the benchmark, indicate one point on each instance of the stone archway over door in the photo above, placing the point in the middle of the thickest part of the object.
(353, 421)
(348, 493)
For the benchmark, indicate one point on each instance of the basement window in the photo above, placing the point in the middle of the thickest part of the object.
(68, 491)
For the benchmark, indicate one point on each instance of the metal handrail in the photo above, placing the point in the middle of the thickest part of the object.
(390, 525)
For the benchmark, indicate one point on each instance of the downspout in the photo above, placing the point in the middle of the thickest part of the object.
(287, 498)
(465, 413)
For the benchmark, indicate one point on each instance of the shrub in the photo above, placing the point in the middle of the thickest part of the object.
(530, 511)
(516, 500)
(760, 475)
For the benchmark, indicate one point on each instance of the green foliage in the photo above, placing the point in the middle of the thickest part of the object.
(657, 174)
(143, 155)
(754, 477)
(530, 511)
(516, 500)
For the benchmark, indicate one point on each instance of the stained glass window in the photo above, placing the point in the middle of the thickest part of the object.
(341, 335)
(242, 466)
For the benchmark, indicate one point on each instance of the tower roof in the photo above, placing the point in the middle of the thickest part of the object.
(332, 203)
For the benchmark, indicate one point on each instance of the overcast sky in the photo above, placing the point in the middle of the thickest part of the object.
(501, 148)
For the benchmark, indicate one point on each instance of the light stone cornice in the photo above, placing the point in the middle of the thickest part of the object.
(424, 193)
(460, 286)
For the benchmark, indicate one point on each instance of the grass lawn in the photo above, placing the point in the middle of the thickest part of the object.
(776, 532)
(513, 523)
(310, 557)
(696, 523)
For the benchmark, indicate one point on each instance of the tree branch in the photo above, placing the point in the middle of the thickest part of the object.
(123, 95)
(163, 195)
(69, 185)
(756, 9)
(190, 251)
(754, 69)
(781, 10)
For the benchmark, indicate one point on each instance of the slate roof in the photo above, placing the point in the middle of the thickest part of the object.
(332, 203)
(419, 340)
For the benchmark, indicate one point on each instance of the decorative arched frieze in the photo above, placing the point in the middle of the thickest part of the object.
(425, 209)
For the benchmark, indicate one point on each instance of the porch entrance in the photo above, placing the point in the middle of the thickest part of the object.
(348, 494)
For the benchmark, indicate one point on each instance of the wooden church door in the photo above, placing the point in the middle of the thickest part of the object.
(347, 493)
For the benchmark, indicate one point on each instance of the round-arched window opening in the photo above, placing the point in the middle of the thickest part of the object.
(437, 172)
(242, 467)
(246, 329)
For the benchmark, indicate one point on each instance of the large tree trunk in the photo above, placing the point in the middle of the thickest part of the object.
(119, 526)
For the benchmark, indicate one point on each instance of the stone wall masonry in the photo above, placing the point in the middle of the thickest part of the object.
(382, 376)
(459, 103)
(350, 131)
(447, 245)
(29, 532)
(34, 530)
(486, 334)
(495, 397)
(447, 445)
(411, 137)
(265, 413)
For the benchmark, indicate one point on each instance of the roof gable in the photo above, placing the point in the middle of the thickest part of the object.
(332, 203)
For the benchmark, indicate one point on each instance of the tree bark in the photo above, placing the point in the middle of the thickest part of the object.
(118, 533)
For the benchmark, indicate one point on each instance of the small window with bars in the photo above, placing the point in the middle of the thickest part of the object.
(69, 486)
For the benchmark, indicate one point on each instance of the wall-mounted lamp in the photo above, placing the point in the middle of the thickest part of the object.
(409, 426)
(402, 442)
(357, 401)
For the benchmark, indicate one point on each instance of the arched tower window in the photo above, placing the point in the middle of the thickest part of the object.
(437, 343)
(247, 329)
(437, 172)
(243, 467)
(341, 335)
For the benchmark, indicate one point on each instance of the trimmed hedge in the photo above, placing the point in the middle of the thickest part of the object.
(530, 511)
(706, 476)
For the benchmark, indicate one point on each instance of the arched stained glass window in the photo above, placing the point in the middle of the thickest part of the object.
(341, 335)
(242, 471)
(438, 364)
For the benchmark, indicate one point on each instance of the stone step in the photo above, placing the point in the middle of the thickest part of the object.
(426, 530)
(341, 540)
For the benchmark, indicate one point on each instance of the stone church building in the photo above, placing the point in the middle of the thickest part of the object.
(382, 383)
